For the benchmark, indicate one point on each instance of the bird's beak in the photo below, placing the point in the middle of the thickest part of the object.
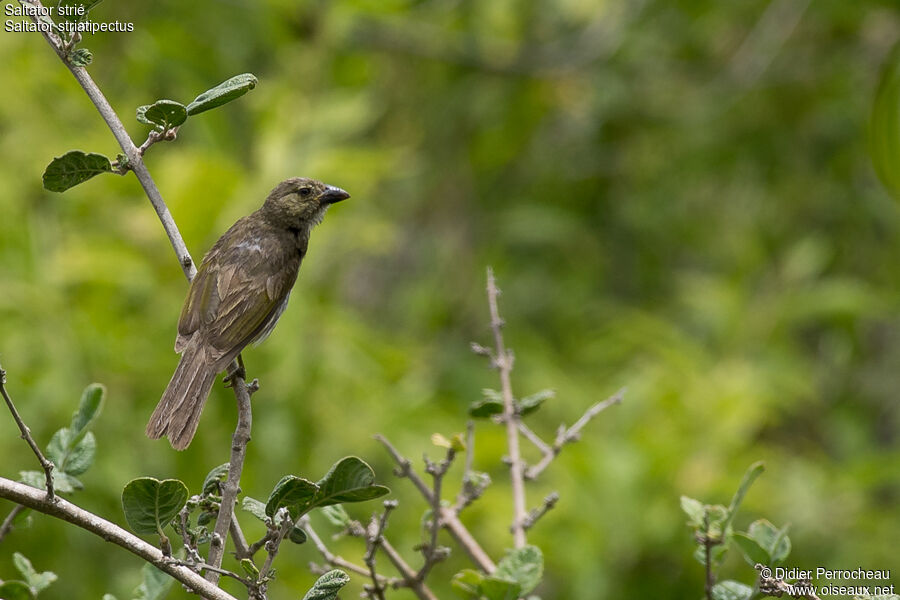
(333, 194)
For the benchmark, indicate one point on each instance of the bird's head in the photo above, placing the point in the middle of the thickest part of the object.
(299, 202)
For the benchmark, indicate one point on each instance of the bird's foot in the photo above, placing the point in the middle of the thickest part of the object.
(238, 373)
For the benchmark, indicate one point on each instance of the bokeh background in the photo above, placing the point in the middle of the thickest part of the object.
(676, 197)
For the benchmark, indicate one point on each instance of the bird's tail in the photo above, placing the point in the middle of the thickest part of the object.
(178, 411)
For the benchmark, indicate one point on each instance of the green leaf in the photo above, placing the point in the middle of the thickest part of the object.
(36, 581)
(87, 4)
(328, 586)
(155, 584)
(223, 93)
(250, 568)
(216, 476)
(773, 540)
(164, 114)
(529, 404)
(72, 168)
(467, 583)
(16, 590)
(35, 479)
(80, 458)
(456, 442)
(884, 125)
(731, 590)
(750, 548)
(89, 408)
(65, 483)
(497, 588)
(297, 535)
(524, 565)
(349, 480)
(254, 507)
(694, 510)
(151, 504)
(292, 492)
(484, 408)
(336, 515)
(716, 554)
(81, 57)
(754, 471)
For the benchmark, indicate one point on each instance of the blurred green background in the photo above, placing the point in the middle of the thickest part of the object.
(676, 197)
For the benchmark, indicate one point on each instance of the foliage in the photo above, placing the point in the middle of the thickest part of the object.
(684, 214)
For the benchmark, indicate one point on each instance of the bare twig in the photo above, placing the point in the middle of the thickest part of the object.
(336, 561)
(274, 544)
(449, 519)
(157, 136)
(66, 511)
(374, 537)
(7, 524)
(231, 487)
(503, 359)
(241, 549)
(46, 465)
(431, 552)
(536, 513)
(408, 574)
(473, 484)
(567, 435)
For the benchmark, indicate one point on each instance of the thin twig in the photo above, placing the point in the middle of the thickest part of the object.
(422, 591)
(231, 487)
(449, 518)
(7, 525)
(46, 465)
(374, 537)
(503, 359)
(473, 485)
(334, 560)
(568, 435)
(241, 549)
(431, 552)
(66, 511)
(536, 513)
(274, 545)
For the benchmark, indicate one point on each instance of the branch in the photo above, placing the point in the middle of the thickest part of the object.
(61, 509)
(566, 436)
(449, 519)
(336, 561)
(46, 465)
(432, 553)
(503, 359)
(536, 513)
(409, 575)
(374, 538)
(7, 525)
(472, 486)
(231, 487)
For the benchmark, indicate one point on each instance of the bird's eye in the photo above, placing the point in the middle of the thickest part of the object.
(305, 192)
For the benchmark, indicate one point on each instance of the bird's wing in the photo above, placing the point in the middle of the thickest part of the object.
(236, 292)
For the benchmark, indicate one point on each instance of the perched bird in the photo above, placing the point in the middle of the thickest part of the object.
(237, 296)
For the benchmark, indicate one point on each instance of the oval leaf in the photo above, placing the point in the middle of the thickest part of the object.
(151, 504)
(223, 93)
(328, 586)
(484, 408)
(165, 114)
(254, 507)
(72, 168)
(81, 456)
(731, 590)
(524, 565)
(88, 408)
(884, 125)
(216, 476)
(292, 492)
(750, 548)
(349, 480)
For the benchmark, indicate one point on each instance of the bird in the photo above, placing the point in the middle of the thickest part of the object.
(237, 296)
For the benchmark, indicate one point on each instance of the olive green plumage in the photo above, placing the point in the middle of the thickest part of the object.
(237, 296)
